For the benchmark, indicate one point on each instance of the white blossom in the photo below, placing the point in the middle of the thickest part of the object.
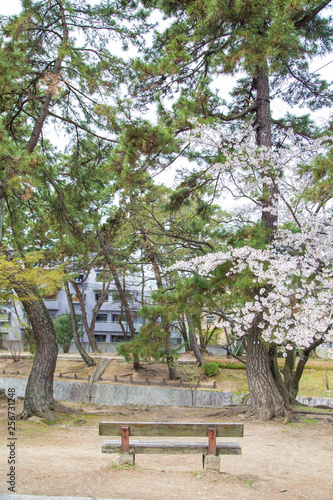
(294, 272)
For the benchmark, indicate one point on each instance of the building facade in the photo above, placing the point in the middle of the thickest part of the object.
(107, 327)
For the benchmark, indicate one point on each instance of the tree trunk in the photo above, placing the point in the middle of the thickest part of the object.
(123, 298)
(39, 392)
(279, 380)
(2, 213)
(193, 342)
(265, 400)
(184, 333)
(165, 325)
(264, 379)
(293, 383)
(89, 329)
(128, 313)
(44, 110)
(84, 355)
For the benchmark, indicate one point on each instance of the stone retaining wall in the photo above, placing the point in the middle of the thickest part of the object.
(114, 394)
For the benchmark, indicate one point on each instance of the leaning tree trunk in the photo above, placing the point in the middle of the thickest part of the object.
(128, 313)
(84, 355)
(292, 375)
(39, 392)
(89, 329)
(193, 342)
(123, 298)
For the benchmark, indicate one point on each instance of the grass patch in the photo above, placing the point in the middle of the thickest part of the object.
(309, 421)
(318, 373)
(312, 383)
(232, 366)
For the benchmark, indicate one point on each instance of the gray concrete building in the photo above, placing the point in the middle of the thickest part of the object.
(107, 328)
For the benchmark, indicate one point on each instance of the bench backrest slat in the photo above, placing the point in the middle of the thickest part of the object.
(184, 429)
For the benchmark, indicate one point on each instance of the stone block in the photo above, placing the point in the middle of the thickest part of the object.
(127, 459)
(211, 462)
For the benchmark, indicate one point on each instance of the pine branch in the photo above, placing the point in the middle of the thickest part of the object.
(308, 17)
(76, 124)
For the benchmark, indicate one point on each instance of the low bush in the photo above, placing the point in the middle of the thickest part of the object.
(210, 369)
(234, 366)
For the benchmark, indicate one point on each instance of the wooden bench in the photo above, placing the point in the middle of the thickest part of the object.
(211, 449)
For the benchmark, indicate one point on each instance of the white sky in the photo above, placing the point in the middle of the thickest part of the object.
(8, 8)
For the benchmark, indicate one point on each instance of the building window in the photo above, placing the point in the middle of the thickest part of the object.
(97, 296)
(176, 341)
(5, 317)
(75, 298)
(51, 297)
(120, 338)
(100, 338)
(116, 296)
(101, 318)
(99, 275)
(116, 318)
(78, 279)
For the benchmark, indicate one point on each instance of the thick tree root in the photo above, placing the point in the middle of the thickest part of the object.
(290, 417)
(51, 412)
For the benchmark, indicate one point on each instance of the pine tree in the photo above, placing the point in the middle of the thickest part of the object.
(58, 69)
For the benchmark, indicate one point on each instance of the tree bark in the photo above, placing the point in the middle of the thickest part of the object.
(2, 213)
(297, 374)
(264, 138)
(184, 333)
(39, 392)
(265, 400)
(280, 381)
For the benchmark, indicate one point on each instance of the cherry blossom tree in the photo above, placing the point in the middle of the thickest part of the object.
(281, 287)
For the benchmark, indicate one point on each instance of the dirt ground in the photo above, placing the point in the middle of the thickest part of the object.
(64, 458)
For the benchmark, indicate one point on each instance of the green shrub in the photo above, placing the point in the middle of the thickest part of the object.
(234, 366)
(210, 369)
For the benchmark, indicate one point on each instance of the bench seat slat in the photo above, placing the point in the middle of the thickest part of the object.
(168, 429)
(171, 447)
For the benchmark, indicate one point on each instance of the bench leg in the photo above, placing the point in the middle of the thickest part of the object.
(127, 458)
(211, 462)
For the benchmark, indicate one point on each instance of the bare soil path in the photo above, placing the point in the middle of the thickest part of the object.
(278, 461)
